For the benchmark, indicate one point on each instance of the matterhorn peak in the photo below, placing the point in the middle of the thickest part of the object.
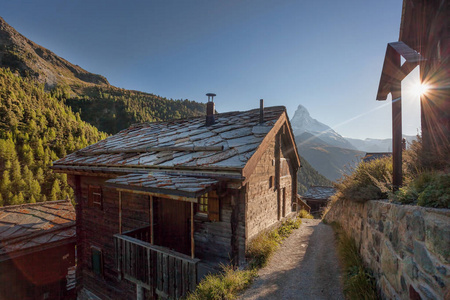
(303, 122)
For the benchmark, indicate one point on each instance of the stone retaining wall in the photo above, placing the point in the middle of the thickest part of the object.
(406, 247)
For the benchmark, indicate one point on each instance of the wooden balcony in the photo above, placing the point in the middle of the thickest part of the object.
(167, 273)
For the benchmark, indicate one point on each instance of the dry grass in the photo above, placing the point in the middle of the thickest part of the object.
(358, 282)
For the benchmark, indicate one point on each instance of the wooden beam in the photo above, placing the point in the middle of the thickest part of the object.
(192, 232)
(152, 230)
(173, 197)
(120, 212)
(396, 92)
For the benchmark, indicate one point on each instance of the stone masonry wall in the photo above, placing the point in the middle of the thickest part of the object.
(407, 247)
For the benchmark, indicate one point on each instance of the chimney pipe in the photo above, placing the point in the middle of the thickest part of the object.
(261, 111)
(210, 109)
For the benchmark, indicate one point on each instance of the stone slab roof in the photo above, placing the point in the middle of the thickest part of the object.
(319, 192)
(164, 183)
(184, 143)
(30, 225)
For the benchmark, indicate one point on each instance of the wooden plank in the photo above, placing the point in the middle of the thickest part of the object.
(165, 262)
(152, 229)
(171, 270)
(120, 212)
(178, 278)
(192, 232)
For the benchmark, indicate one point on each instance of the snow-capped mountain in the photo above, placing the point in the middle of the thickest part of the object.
(303, 122)
(377, 145)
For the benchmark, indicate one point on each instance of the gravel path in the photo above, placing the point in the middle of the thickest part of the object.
(305, 267)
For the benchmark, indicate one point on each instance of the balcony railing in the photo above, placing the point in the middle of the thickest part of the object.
(168, 273)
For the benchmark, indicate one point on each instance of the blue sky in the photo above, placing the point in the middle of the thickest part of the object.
(325, 55)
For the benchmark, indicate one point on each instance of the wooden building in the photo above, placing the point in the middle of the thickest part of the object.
(161, 204)
(317, 197)
(37, 251)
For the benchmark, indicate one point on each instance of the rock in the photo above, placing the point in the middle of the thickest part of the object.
(422, 257)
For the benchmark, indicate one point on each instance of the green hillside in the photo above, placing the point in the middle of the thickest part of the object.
(35, 129)
(308, 176)
(111, 109)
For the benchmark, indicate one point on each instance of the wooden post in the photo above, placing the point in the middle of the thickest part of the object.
(120, 212)
(139, 292)
(396, 92)
(152, 231)
(192, 231)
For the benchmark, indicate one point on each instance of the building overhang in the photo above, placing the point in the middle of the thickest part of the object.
(165, 185)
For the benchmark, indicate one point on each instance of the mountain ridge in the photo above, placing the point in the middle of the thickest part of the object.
(21, 54)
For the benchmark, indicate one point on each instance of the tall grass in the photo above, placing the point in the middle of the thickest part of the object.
(358, 282)
(223, 286)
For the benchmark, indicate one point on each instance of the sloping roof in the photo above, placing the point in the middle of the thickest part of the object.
(164, 183)
(30, 225)
(180, 144)
(319, 192)
(375, 155)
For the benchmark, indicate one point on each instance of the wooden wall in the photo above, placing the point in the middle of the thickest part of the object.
(264, 199)
(38, 275)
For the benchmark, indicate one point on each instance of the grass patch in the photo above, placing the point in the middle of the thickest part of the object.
(358, 281)
(265, 244)
(305, 215)
(223, 286)
(231, 281)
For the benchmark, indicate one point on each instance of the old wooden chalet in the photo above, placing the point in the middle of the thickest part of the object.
(161, 204)
(37, 251)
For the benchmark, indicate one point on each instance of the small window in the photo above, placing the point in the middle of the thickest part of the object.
(208, 204)
(284, 170)
(97, 260)
(271, 183)
(95, 196)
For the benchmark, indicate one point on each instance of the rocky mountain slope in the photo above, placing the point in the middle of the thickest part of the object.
(303, 122)
(325, 149)
(20, 54)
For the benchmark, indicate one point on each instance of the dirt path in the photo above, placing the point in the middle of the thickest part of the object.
(305, 267)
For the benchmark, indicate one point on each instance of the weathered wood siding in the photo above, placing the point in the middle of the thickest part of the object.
(213, 239)
(96, 227)
(264, 206)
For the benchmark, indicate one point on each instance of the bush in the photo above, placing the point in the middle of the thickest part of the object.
(367, 182)
(223, 286)
(305, 215)
(429, 189)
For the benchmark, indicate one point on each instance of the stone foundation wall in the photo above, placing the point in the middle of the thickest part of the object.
(406, 247)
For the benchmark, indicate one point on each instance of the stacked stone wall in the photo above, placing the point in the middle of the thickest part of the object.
(406, 247)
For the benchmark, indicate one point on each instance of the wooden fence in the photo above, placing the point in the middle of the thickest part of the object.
(168, 273)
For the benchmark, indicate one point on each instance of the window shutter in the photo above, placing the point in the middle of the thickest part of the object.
(97, 260)
(213, 207)
(95, 198)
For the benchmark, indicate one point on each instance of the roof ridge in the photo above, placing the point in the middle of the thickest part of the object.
(34, 204)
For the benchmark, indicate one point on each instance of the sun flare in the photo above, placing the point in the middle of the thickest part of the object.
(420, 89)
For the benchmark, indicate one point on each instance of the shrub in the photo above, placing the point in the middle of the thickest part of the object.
(366, 182)
(305, 215)
(225, 285)
(429, 189)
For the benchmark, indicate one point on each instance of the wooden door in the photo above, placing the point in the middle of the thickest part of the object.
(172, 225)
